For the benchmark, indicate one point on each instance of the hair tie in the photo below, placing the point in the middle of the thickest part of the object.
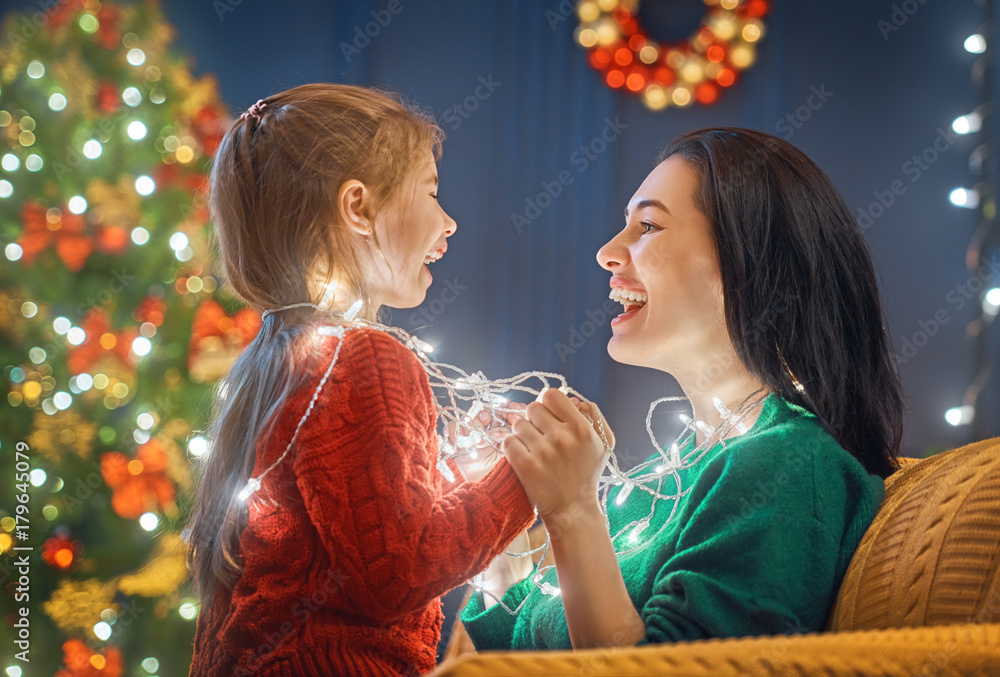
(255, 110)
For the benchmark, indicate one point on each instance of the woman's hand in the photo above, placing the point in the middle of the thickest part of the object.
(557, 453)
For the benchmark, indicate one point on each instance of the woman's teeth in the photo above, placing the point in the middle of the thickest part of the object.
(636, 299)
(432, 257)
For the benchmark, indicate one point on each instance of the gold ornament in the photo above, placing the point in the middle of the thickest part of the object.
(163, 573)
(80, 85)
(76, 606)
(114, 204)
(63, 431)
(10, 317)
(178, 467)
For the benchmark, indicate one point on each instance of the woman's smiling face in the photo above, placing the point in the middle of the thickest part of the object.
(665, 271)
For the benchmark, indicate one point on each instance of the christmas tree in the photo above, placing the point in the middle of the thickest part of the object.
(112, 332)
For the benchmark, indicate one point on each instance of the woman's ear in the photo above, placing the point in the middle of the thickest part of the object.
(354, 206)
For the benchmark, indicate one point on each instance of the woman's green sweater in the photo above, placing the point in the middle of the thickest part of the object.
(758, 544)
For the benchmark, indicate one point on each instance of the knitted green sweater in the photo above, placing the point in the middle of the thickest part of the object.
(758, 544)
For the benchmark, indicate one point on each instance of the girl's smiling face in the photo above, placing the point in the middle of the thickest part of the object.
(412, 234)
(665, 271)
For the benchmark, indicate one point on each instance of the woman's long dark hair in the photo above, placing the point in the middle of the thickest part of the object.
(801, 298)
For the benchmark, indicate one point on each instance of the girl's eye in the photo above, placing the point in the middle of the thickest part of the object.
(434, 195)
(647, 226)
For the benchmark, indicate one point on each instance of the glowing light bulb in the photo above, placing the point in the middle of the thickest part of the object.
(141, 346)
(132, 96)
(975, 44)
(253, 484)
(77, 204)
(965, 197)
(136, 130)
(197, 446)
(967, 124)
(623, 494)
(144, 185)
(962, 415)
(136, 57)
(353, 311)
(76, 336)
(991, 302)
(93, 149)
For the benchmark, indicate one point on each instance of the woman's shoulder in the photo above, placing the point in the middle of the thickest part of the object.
(794, 459)
(788, 434)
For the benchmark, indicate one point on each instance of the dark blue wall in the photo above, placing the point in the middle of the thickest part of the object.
(522, 293)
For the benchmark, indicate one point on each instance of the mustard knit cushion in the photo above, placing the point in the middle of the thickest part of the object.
(932, 554)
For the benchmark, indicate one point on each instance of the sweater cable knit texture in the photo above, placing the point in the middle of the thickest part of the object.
(343, 574)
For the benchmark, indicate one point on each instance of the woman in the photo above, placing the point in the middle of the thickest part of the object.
(744, 276)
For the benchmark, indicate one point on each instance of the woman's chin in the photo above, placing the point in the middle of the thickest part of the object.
(618, 350)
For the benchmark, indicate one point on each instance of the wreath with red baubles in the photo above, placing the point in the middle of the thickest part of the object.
(690, 71)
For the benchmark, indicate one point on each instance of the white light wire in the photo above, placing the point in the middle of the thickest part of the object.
(486, 394)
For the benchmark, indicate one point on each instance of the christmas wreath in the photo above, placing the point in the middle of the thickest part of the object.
(689, 71)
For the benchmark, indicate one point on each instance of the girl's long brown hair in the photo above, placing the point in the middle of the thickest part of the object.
(273, 193)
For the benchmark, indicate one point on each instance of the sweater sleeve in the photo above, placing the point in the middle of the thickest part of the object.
(763, 550)
(368, 476)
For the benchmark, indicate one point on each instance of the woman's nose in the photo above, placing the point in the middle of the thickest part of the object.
(449, 225)
(613, 254)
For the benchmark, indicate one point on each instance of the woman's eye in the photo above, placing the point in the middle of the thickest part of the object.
(647, 226)
(434, 195)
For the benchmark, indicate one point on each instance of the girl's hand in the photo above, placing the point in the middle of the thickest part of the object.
(485, 457)
(558, 454)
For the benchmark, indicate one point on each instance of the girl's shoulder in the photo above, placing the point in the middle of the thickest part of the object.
(367, 345)
(369, 355)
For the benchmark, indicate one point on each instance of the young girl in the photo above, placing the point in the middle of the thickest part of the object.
(744, 275)
(326, 195)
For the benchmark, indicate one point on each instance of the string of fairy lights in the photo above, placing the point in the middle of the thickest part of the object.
(983, 198)
(461, 432)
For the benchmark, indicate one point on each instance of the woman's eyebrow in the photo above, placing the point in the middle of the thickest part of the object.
(648, 203)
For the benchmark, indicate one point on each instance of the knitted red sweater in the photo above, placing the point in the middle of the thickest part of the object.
(343, 576)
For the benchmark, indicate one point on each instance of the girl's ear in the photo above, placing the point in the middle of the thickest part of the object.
(354, 206)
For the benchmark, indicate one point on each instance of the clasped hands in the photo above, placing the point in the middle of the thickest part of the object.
(553, 445)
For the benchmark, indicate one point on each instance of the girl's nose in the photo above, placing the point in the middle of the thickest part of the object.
(450, 225)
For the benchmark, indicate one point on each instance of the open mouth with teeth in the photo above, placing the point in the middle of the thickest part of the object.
(433, 256)
(632, 300)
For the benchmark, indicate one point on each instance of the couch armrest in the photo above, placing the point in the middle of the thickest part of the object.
(961, 650)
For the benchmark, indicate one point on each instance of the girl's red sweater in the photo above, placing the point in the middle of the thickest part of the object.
(343, 575)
